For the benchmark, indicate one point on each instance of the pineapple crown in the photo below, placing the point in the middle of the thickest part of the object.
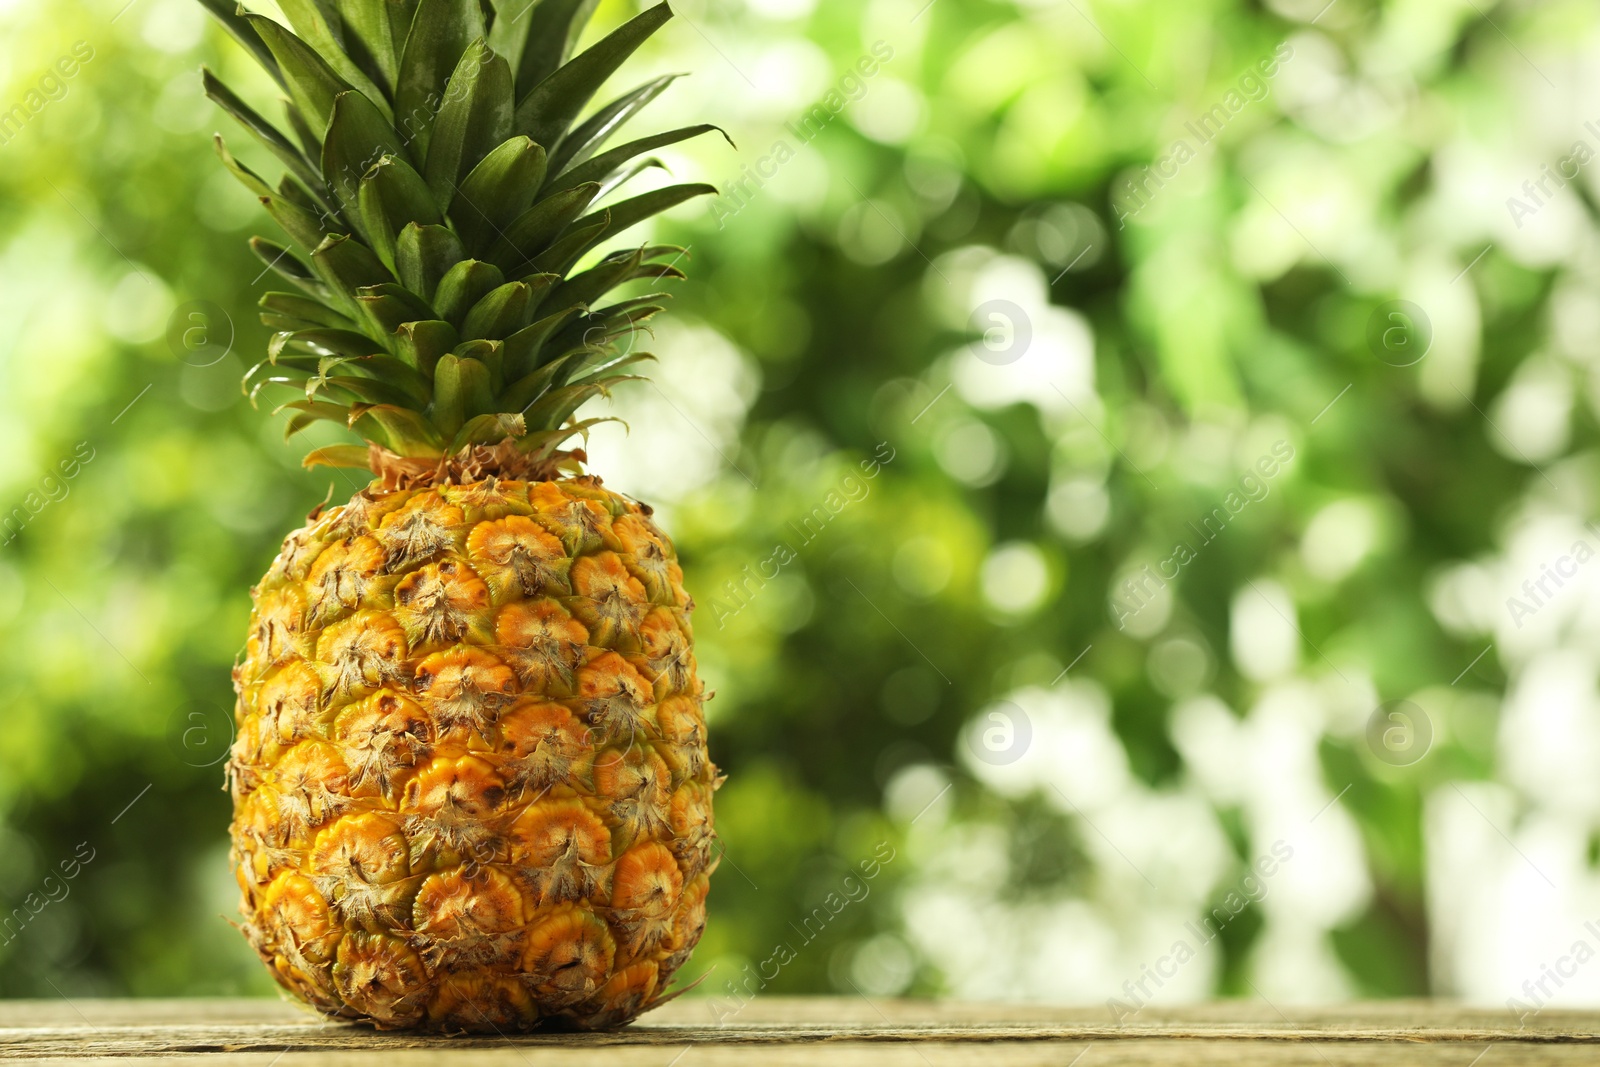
(441, 192)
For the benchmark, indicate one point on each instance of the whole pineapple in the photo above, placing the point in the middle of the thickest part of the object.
(470, 783)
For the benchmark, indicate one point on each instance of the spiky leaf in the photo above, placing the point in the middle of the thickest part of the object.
(598, 128)
(604, 165)
(358, 137)
(551, 106)
(438, 179)
(393, 197)
(463, 286)
(475, 117)
(497, 192)
(549, 35)
(310, 20)
(312, 84)
(423, 255)
(440, 32)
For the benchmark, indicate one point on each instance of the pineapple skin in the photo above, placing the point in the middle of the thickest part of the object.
(470, 781)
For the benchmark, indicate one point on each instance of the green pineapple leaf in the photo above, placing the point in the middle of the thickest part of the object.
(474, 118)
(598, 128)
(550, 107)
(348, 266)
(497, 192)
(403, 431)
(439, 35)
(629, 213)
(420, 344)
(238, 26)
(315, 312)
(285, 264)
(460, 390)
(523, 348)
(550, 33)
(603, 166)
(358, 137)
(502, 312)
(312, 84)
(389, 306)
(352, 456)
(423, 255)
(311, 20)
(394, 196)
(535, 229)
(375, 33)
(489, 429)
(440, 194)
(303, 227)
(463, 286)
(265, 132)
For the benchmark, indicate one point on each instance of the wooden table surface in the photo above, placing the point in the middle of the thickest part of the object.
(831, 1032)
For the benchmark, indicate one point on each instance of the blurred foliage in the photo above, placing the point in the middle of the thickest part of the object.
(831, 317)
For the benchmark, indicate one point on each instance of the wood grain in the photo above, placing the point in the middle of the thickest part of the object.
(830, 1032)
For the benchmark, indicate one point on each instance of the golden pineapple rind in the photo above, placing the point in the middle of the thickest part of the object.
(470, 782)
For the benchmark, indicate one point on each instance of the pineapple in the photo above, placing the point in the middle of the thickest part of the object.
(470, 782)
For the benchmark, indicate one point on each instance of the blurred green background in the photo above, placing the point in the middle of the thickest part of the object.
(1173, 500)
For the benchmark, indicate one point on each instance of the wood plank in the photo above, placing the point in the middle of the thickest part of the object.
(1067, 1054)
(834, 1032)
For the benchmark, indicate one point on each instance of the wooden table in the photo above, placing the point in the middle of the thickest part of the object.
(833, 1032)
